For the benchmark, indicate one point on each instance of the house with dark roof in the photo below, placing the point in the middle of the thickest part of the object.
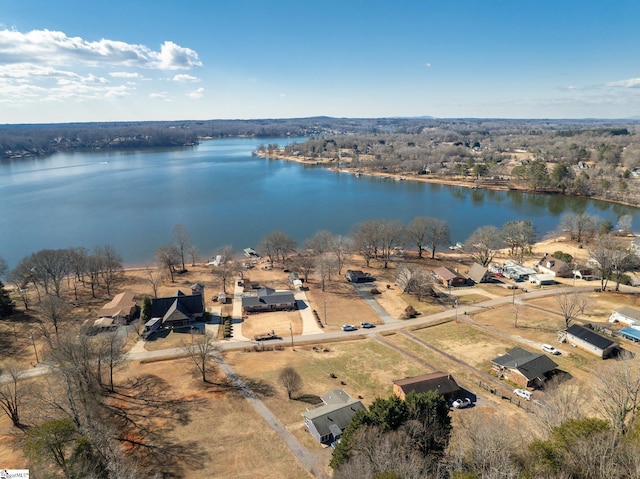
(179, 309)
(442, 383)
(524, 368)
(590, 341)
(554, 266)
(327, 422)
(268, 299)
(357, 276)
(448, 277)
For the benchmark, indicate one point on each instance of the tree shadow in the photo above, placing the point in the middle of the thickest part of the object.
(313, 399)
(146, 412)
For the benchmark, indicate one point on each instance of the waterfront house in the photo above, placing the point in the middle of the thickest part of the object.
(268, 299)
(554, 266)
(179, 309)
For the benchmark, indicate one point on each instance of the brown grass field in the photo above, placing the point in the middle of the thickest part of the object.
(234, 441)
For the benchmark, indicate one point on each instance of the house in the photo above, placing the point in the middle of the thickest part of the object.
(443, 383)
(179, 309)
(268, 299)
(550, 265)
(121, 309)
(449, 277)
(590, 341)
(327, 422)
(478, 273)
(516, 271)
(524, 368)
(357, 276)
(625, 315)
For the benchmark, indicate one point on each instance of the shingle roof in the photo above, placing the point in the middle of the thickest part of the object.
(590, 337)
(267, 296)
(331, 416)
(438, 381)
(477, 272)
(445, 273)
(530, 365)
(188, 305)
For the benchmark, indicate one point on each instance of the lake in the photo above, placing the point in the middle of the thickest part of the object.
(225, 196)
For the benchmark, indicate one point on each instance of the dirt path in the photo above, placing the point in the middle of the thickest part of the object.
(311, 462)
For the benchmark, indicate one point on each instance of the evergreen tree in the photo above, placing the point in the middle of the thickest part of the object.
(6, 303)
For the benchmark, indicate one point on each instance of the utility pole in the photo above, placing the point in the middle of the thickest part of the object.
(291, 331)
(325, 312)
(35, 350)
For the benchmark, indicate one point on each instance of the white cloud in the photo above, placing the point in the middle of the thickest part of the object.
(183, 77)
(126, 75)
(629, 83)
(428, 65)
(160, 96)
(56, 48)
(196, 94)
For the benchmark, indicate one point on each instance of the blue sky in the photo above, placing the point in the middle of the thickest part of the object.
(89, 60)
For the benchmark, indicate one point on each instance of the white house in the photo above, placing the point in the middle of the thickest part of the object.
(625, 315)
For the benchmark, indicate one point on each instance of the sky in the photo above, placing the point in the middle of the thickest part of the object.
(125, 60)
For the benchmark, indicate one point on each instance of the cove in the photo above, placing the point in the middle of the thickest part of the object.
(225, 196)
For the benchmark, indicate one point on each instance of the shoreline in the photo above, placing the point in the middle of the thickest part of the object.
(465, 183)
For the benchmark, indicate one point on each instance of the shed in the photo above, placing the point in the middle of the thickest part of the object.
(590, 341)
(542, 279)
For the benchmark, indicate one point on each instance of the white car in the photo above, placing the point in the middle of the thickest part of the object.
(349, 327)
(523, 393)
(461, 403)
(547, 348)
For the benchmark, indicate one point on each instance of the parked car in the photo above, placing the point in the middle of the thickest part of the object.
(349, 327)
(547, 348)
(523, 393)
(367, 325)
(461, 403)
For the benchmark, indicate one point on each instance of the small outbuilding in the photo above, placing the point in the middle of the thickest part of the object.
(590, 341)
(542, 279)
(357, 276)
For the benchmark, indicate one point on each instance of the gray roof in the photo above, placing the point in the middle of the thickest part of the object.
(331, 416)
(590, 337)
(477, 272)
(629, 312)
(190, 306)
(267, 296)
(530, 365)
(438, 381)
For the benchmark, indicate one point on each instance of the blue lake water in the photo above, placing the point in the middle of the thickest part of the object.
(224, 196)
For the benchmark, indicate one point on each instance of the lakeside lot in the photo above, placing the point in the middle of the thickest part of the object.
(232, 439)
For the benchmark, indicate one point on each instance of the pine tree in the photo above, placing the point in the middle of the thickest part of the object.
(7, 305)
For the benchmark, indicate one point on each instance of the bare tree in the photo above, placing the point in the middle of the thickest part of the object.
(304, 263)
(54, 311)
(518, 235)
(111, 266)
(625, 222)
(417, 233)
(277, 245)
(154, 278)
(581, 227)
(227, 267)
(192, 251)
(391, 236)
(110, 351)
(572, 304)
(563, 401)
(12, 393)
(320, 242)
(325, 267)
(200, 351)
(341, 247)
(168, 258)
(4, 267)
(483, 244)
(415, 280)
(290, 380)
(181, 241)
(618, 393)
(366, 239)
